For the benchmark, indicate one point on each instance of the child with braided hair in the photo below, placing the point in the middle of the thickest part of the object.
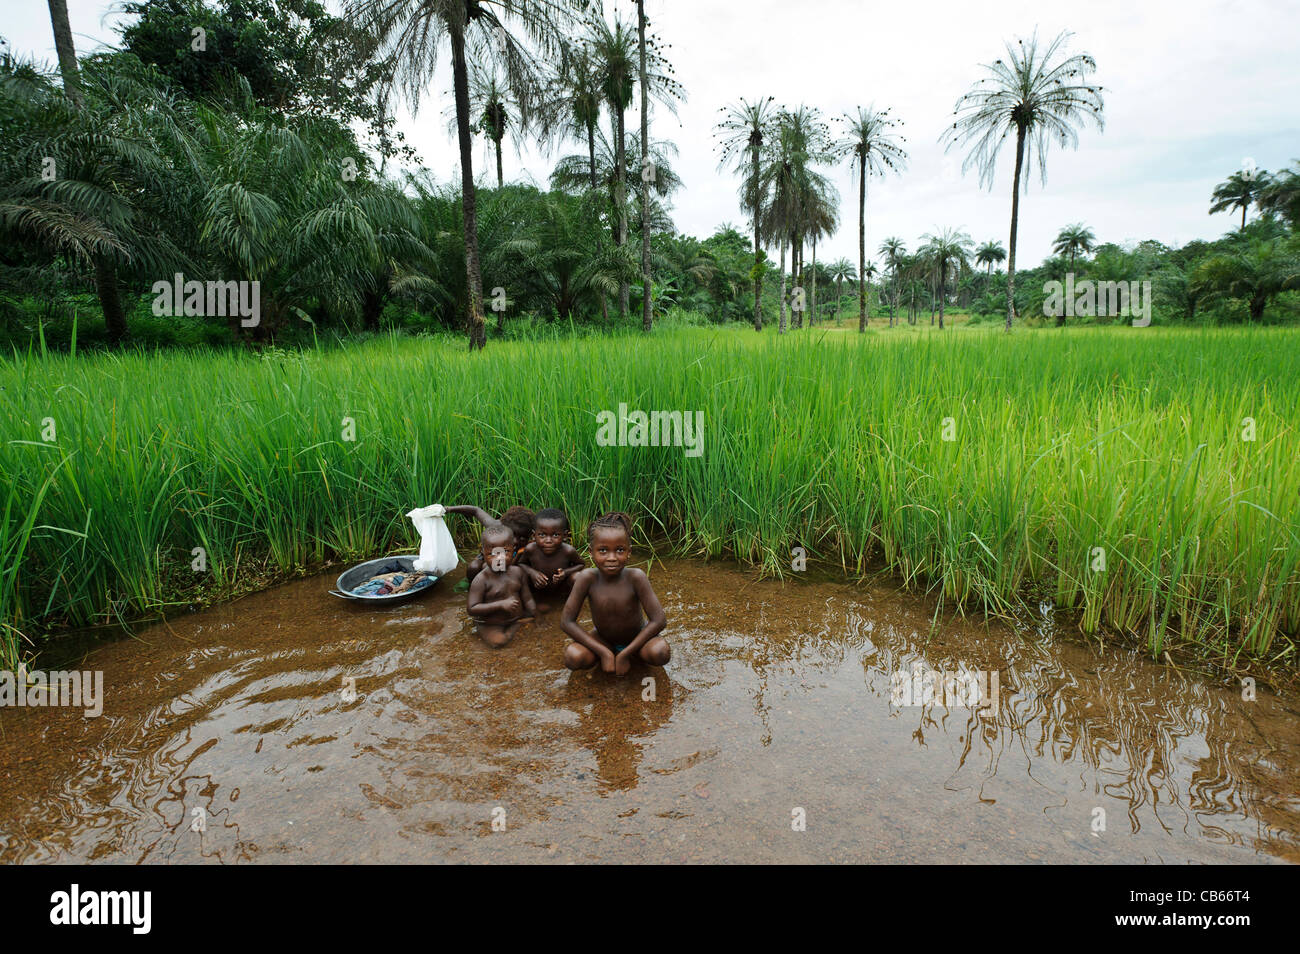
(625, 613)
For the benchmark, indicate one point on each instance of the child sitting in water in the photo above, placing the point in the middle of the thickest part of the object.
(520, 520)
(553, 562)
(499, 598)
(619, 597)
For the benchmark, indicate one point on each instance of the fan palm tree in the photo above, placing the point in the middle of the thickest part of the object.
(1282, 195)
(949, 254)
(499, 112)
(822, 219)
(1039, 95)
(410, 35)
(741, 135)
(990, 253)
(1240, 190)
(871, 143)
(895, 252)
(841, 270)
(1073, 240)
(615, 52)
(790, 184)
(574, 96)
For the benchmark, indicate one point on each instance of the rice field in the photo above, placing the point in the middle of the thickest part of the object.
(1147, 478)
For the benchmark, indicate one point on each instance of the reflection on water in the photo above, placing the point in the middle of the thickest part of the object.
(232, 735)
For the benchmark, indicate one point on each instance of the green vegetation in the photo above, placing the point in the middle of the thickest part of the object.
(1124, 439)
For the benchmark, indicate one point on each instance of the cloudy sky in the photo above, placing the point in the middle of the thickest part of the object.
(1192, 89)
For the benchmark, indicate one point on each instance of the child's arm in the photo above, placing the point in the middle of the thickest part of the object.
(656, 619)
(576, 563)
(469, 510)
(569, 621)
(537, 577)
(477, 607)
(525, 591)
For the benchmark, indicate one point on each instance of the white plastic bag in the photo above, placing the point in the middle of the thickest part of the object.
(437, 550)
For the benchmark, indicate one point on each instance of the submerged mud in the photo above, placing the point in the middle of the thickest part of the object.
(234, 735)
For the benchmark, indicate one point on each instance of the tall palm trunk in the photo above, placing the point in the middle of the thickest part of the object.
(758, 255)
(647, 285)
(893, 296)
(862, 243)
(781, 326)
(620, 198)
(476, 325)
(591, 160)
(500, 178)
(67, 52)
(812, 298)
(110, 296)
(796, 275)
(943, 291)
(110, 299)
(1015, 219)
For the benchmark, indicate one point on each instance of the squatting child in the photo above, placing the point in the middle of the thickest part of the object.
(500, 600)
(625, 613)
(552, 560)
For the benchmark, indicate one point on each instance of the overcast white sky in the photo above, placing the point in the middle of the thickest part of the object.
(1192, 88)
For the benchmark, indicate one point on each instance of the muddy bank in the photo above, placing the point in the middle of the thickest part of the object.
(776, 708)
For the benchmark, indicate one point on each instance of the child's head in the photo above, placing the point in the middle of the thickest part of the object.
(521, 521)
(609, 539)
(498, 547)
(550, 530)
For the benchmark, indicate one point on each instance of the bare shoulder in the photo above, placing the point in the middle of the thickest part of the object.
(638, 577)
(587, 576)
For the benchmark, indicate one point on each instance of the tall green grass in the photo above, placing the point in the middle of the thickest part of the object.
(1129, 440)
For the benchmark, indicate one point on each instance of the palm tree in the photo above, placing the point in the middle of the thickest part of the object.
(1041, 96)
(1240, 191)
(742, 132)
(1072, 240)
(869, 140)
(615, 52)
(895, 252)
(990, 253)
(410, 34)
(949, 253)
(1282, 195)
(499, 112)
(792, 189)
(1257, 273)
(575, 96)
(841, 270)
(822, 219)
(111, 147)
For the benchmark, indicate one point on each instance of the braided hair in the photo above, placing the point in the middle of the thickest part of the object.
(616, 520)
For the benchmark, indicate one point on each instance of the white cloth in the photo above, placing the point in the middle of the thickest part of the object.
(437, 549)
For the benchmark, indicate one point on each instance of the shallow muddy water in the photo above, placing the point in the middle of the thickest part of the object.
(776, 708)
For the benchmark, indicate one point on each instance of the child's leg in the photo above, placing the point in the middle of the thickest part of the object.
(578, 656)
(496, 635)
(656, 652)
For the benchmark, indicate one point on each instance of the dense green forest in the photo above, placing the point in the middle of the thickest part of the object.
(253, 140)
